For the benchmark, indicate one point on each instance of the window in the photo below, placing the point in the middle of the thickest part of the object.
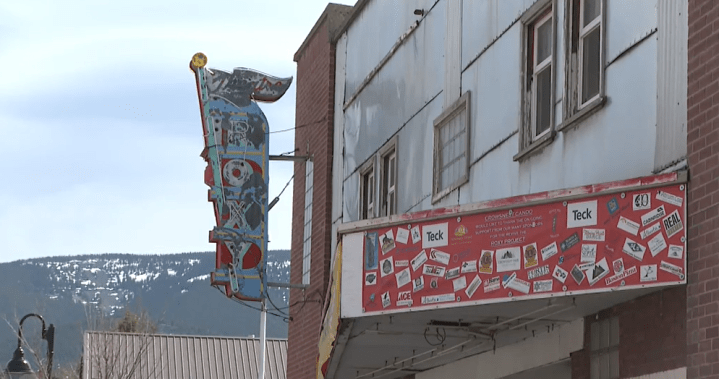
(307, 243)
(604, 349)
(451, 148)
(388, 185)
(367, 187)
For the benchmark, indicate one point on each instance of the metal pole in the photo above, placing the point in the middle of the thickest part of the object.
(263, 338)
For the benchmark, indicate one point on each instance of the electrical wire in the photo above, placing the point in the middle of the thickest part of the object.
(299, 126)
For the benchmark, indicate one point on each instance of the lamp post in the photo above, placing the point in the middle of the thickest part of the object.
(18, 367)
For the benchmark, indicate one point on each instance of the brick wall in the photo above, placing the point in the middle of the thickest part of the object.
(313, 136)
(703, 196)
(652, 335)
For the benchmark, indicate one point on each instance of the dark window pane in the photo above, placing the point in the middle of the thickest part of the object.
(544, 41)
(590, 65)
(591, 11)
(544, 100)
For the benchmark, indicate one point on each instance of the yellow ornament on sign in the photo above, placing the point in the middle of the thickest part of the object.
(199, 60)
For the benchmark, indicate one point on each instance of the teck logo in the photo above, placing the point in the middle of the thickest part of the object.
(582, 214)
(434, 235)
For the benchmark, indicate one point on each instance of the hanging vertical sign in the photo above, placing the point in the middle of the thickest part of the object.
(236, 151)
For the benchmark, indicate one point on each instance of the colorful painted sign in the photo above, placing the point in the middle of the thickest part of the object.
(602, 242)
(236, 138)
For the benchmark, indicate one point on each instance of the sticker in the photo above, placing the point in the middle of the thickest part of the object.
(387, 266)
(582, 214)
(403, 278)
(404, 299)
(589, 253)
(654, 215)
(459, 283)
(486, 262)
(469, 266)
(600, 270)
(433, 283)
(402, 235)
(491, 284)
(641, 201)
(416, 236)
(672, 224)
(419, 260)
(438, 298)
(624, 274)
(508, 279)
(577, 274)
(542, 286)
(519, 285)
(672, 269)
(634, 249)
(473, 286)
(651, 230)
(569, 242)
(452, 273)
(628, 225)
(676, 251)
(618, 266)
(595, 235)
(433, 270)
(560, 274)
(387, 241)
(648, 273)
(537, 272)
(460, 231)
(434, 235)
(549, 251)
(586, 266)
(418, 284)
(370, 251)
(508, 259)
(370, 278)
(530, 255)
(439, 256)
(657, 244)
(386, 301)
(669, 198)
(612, 206)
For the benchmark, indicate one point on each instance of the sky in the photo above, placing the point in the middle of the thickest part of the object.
(100, 130)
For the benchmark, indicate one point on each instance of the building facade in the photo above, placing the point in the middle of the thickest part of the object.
(449, 115)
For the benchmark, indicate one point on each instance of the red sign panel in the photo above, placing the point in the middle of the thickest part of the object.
(626, 239)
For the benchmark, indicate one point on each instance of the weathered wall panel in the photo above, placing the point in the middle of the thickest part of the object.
(627, 22)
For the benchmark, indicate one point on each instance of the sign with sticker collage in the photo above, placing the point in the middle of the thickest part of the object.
(610, 241)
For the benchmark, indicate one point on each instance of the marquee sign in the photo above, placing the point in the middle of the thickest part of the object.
(236, 138)
(605, 242)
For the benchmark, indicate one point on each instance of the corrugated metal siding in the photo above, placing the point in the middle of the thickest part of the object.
(672, 32)
(123, 355)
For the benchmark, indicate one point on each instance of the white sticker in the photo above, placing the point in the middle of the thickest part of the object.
(577, 274)
(669, 198)
(654, 215)
(600, 270)
(434, 235)
(542, 286)
(473, 286)
(676, 251)
(416, 236)
(439, 256)
(387, 266)
(508, 259)
(657, 244)
(618, 266)
(418, 283)
(387, 242)
(469, 266)
(549, 251)
(402, 235)
(624, 274)
(433, 270)
(370, 278)
(438, 298)
(404, 299)
(560, 274)
(586, 266)
(452, 273)
(641, 201)
(672, 224)
(594, 235)
(519, 285)
(459, 283)
(508, 279)
(403, 278)
(419, 260)
(530, 255)
(386, 301)
(401, 263)
(648, 273)
(486, 262)
(672, 269)
(582, 214)
(650, 230)
(491, 284)
(537, 272)
(589, 253)
(628, 225)
(634, 249)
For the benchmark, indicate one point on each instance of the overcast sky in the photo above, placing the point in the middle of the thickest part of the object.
(100, 130)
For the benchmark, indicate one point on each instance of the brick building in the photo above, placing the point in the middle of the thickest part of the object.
(610, 108)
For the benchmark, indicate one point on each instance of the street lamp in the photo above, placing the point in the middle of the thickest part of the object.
(18, 367)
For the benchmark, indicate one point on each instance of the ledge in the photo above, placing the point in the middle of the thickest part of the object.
(582, 114)
(535, 146)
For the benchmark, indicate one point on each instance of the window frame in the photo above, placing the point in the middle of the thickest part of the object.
(388, 151)
(307, 225)
(584, 31)
(545, 17)
(460, 105)
(367, 170)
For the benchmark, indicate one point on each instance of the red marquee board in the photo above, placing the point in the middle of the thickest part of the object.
(603, 242)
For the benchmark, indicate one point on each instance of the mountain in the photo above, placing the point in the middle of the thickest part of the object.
(74, 292)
